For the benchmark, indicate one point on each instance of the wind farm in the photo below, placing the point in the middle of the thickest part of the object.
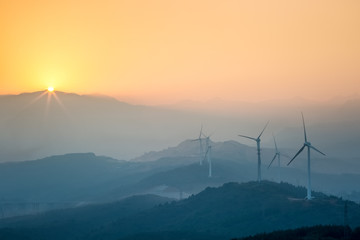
(179, 120)
(181, 174)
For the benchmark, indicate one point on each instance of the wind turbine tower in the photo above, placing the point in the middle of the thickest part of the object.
(201, 145)
(208, 154)
(257, 140)
(277, 154)
(309, 146)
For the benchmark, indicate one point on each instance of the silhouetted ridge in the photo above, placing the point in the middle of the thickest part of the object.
(310, 233)
(74, 223)
(239, 210)
(232, 210)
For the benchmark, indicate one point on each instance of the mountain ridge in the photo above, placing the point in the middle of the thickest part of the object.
(33, 129)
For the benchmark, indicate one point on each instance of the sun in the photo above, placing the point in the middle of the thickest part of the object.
(50, 89)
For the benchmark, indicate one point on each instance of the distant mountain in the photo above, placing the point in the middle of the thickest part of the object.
(224, 150)
(69, 180)
(36, 125)
(64, 177)
(193, 178)
(232, 210)
(233, 161)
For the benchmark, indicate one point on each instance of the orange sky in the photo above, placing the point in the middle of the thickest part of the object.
(166, 51)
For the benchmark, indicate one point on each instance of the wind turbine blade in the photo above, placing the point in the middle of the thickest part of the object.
(195, 140)
(272, 160)
(302, 115)
(301, 149)
(275, 144)
(201, 131)
(317, 150)
(207, 151)
(263, 129)
(247, 137)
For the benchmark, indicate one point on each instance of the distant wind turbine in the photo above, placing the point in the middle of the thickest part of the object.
(309, 146)
(208, 154)
(257, 140)
(277, 154)
(201, 145)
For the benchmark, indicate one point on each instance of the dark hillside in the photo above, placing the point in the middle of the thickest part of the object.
(310, 233)
(239, 210)
(75, 223)
(232, 210)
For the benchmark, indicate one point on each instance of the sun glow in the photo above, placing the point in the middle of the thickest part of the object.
(50, 89)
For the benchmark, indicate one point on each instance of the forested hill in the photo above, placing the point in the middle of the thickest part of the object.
(232, 210)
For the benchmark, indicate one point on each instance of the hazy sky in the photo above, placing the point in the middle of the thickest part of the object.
(165, 51)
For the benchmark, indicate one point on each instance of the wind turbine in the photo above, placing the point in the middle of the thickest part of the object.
(208, 154)
(309, 146)
(277, 154)
(201, 145)
(257, 140)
